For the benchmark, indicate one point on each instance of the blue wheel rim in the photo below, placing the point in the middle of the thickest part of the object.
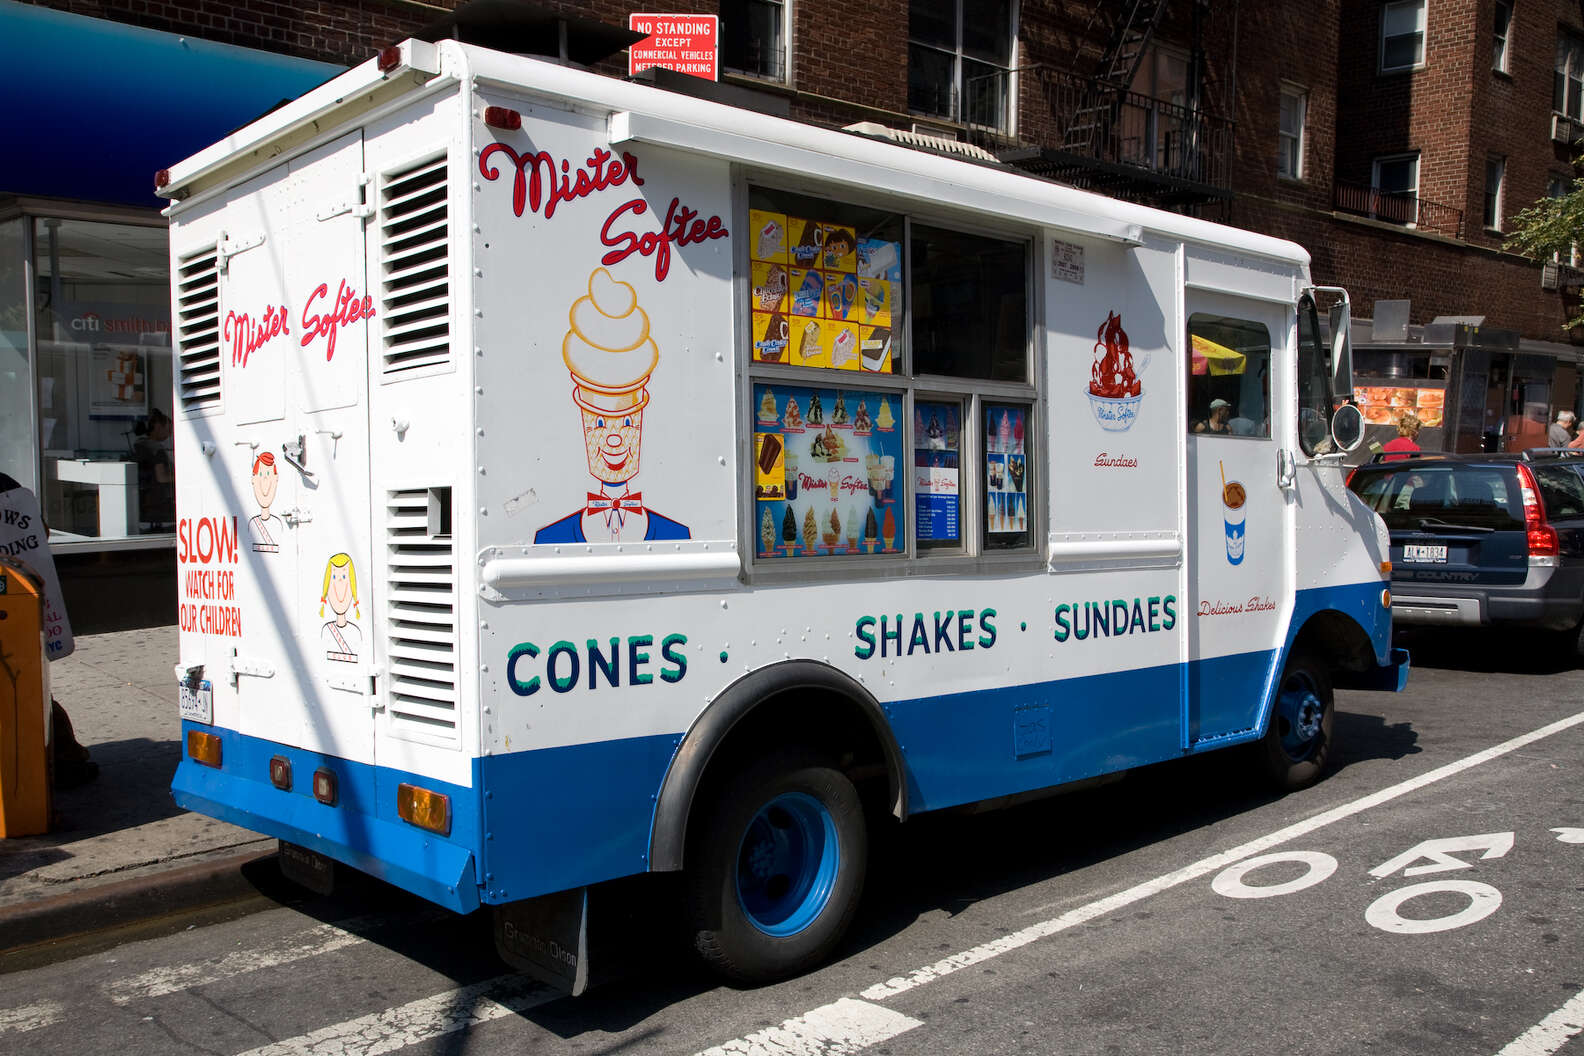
(1301, 710)
(787, 864)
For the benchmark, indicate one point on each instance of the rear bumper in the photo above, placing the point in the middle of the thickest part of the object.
(356, 831)
(1549, 598)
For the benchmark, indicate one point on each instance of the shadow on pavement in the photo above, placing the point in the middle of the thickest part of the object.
(133, 788)
(1490, 650)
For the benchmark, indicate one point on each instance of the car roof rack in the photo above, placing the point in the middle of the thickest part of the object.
(1552, 452)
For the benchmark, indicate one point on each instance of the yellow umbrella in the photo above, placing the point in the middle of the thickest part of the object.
(1211, 358)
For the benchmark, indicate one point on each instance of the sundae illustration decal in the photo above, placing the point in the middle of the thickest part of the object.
(611, 355)
(825, 473)
(1114, 388)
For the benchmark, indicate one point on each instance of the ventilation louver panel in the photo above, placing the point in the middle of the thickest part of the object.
(415, 276)
(421, 628)
(198, 329)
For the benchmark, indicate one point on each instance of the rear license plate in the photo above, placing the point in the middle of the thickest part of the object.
(311, 869)
(1423, 552)
(196, 702)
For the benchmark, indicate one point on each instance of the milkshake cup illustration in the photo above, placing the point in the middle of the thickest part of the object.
(1234, 513)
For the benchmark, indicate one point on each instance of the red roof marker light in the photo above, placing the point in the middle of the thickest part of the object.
(162, 179)
(389, 58)
(503, 118)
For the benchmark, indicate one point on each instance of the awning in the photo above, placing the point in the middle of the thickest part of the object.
(95, 108)
(1211, 358)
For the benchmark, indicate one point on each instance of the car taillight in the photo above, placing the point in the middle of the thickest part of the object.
(1351, 474)
(1542, 537)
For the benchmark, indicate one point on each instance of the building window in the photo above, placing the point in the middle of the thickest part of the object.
(102, 321)
(1567, 89)
(960, 60)
(1500, 32)
(1395, 181)
(754, 37)
(1560, 187)
(1158, 134)
(1402, 35)
(1294, 104)
(1495, 175)
(893, 395)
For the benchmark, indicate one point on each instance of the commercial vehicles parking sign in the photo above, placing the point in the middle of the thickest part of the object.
(684, 43)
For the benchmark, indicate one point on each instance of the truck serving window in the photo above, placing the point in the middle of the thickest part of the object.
(890, 369)
(1228, 376)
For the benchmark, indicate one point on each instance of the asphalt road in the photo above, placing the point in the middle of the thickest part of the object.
(1426, 897)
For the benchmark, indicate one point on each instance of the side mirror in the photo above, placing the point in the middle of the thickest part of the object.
(1347, 427)
(1341, 317)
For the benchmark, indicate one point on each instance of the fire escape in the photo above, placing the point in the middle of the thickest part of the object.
(1103, 136)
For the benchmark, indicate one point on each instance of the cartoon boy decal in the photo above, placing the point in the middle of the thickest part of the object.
(266, 527)
(611, 356)
(341, 637)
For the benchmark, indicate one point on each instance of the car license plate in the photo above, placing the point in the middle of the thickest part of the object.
(1424, 552)
(196, 702)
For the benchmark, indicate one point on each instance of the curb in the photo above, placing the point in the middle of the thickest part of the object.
(129, 901)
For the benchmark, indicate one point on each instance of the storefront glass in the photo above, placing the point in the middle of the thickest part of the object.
(16, 380)
(104, 379)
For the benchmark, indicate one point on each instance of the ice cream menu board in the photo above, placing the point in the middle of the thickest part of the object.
(1006, 471)
(937, 491)
(822, 295)
(825, 472)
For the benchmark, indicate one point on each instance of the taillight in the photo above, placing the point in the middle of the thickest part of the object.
(1541, 536)
(1351, 474)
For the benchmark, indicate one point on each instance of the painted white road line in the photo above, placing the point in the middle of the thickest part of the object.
(1551, 1033)
(157, 982)
(24, 1018)
(428, 1017)
(836, 1029)
(1215, 863)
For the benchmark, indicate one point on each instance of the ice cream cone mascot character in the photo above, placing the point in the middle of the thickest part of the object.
(341, 637)
(610, 355)
(266, 528)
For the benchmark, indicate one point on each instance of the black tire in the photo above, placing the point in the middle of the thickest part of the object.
(1297, 743)
(753, 919)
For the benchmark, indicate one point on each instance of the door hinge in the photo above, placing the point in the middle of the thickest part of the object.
(297, 515)
(231, 247)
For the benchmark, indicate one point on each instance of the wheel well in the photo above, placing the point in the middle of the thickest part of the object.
(1338, 640)
(799, 702)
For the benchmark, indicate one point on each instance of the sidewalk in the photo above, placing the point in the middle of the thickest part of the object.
(121, 850)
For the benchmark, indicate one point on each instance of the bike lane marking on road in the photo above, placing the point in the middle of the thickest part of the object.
(24, 1018)
(417, 1021)
(1204, 867)
(843, 1026)
(1551, 1033)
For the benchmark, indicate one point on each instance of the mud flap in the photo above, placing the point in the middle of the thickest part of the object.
(546, 938)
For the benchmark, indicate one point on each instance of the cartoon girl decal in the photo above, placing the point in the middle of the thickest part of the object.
(341, 637)
(266, 527)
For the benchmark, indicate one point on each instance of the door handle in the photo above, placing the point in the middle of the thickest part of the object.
(296, 453)
(1286, 469)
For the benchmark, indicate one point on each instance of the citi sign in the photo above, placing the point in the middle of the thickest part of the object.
(94, 323)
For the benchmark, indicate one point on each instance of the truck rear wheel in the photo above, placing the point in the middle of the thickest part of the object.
(1297, 743)
(776, 868)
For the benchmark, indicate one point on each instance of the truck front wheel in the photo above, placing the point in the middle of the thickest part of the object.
(776, 866)
(1298, 740)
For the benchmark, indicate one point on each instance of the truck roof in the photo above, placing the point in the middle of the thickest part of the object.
(640, 113)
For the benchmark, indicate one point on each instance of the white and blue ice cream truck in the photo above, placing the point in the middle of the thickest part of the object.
(579, 480)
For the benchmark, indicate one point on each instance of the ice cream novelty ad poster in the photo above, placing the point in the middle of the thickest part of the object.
(606, 301)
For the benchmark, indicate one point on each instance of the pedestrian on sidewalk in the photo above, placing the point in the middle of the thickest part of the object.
(1406, 443)
(1560, 432)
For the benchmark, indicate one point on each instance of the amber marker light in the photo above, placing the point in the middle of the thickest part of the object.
(1385, 599)
(203, 748)
(1385, 568)
(423, 808)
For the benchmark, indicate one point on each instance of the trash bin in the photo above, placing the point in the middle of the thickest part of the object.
(24, 704)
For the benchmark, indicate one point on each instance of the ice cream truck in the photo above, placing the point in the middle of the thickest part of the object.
(579, 481)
